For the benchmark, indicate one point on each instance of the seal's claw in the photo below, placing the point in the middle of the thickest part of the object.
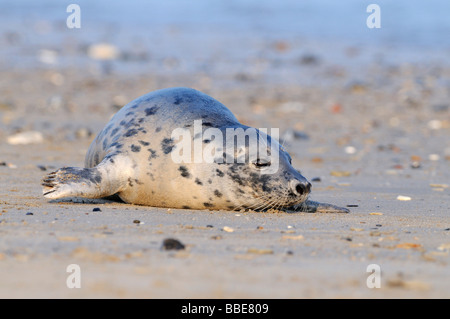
(316, 207)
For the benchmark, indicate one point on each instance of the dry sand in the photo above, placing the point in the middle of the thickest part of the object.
(366, 134)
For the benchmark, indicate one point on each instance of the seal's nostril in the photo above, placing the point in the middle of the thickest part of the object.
(300, 189)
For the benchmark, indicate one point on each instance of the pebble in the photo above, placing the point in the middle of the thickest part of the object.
(29, 213)
(136, 221)
(259, 251)
(24, 138)
(9, 165)
(340, 173)
(403, 198)
(103, 51)
(435, 124)
(96, 209)
(228, 229)
(434, 157)
(316, 179)
(439, 185)
(415, 164)
(172, 244)
(350, 150)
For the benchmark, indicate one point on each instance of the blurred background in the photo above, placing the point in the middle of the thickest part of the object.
(263, 38)
(302, 66)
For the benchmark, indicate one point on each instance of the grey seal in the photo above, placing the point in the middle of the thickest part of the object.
(133, 157)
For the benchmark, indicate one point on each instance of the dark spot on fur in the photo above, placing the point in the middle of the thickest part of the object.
(131, 132)
(135, 148)
(167, 145)
(107, 129)
(130, 182)
(184, 171)
(207, 204)
(206, 141)
(113, 132)
(151, 110)
(116, 145)
(138, 182)
(178, 100)
(198, 182)
(152, 154)
(96, 159)
(210, 181)
(141, 120)
(196, 136)
(158, 129)
(98, 178)
(219, 173)
(129, 113)
(122, 122)
(217, 193)
(185, 207)
(144, 143)
(105, 142)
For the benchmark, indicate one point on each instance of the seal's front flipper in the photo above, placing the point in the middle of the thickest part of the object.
(78, 182)
(316, 207)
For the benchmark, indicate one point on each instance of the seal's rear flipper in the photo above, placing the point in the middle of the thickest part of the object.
(316, 207)
(78, 182)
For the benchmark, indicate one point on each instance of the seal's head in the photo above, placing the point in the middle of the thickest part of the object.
(260, 174)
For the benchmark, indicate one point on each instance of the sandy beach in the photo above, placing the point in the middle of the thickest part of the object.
(370, 130)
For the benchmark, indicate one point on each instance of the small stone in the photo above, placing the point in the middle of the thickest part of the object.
(136, 221)
(415, 164)
(29, 213)
(340, 173)
(103, 51)
(352, 205)
(434, 157)
(228, 229)
(24, 138)
(316, 179)
(172, 244)
(96, 209)
(403, 198)
(350, 150)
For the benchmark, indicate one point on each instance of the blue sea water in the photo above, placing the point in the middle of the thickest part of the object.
(232, 30)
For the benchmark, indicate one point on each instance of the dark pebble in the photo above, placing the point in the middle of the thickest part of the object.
(447, 229)
(316, 179)
(42, 167)
(348, 239)
(209, 226)
(378, 225)
(352, 205)
(96, 209)
(290, 252)
(172, 244)
(29, 213)
(136, 221)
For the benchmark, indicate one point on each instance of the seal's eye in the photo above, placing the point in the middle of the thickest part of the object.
(260, 163)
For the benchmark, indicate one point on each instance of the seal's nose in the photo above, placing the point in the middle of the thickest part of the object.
(300, 188)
